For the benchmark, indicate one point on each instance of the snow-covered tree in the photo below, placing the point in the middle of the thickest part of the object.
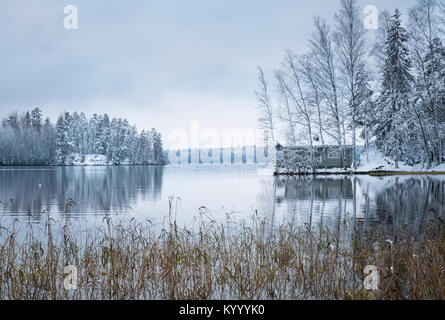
(265, 109)
(26, 140)
(329, 93)
(351, 51)
(426, 30)
(23, 141)
(285, 112)
(378, 50)
(294, 85)
(325, 71)
(104, 135)
(62, 141)
(36, 119)
(26, 120)
(391, 127)
(313, 96)
(157, 146)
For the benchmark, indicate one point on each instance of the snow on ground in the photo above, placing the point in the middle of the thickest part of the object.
(76, 159)
(379, 162)
(90, 160)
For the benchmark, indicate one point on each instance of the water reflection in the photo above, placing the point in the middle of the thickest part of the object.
(329, 201)
(30, 191)
(407, 202)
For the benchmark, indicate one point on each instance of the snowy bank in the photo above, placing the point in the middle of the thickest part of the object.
(376, 162)
(76, 159)
(380, 163)
(90, 160)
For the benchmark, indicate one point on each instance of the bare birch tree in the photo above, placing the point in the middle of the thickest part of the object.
(294, 87)
(314, 97)
(286, 113)
(325, 74)
(266, 117)
(351, 52)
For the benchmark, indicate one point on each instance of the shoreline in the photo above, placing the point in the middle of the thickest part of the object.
(364, 173)
(80, 165)
(379, 173)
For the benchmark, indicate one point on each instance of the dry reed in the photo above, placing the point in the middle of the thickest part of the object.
(232, 260)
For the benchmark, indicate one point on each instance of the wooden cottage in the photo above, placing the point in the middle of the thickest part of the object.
(306, 159)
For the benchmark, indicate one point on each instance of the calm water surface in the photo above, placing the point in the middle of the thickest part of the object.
(142, 193)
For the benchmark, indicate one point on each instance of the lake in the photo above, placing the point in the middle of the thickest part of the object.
(237, 191)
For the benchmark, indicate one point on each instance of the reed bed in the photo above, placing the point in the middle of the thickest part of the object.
(232, 260)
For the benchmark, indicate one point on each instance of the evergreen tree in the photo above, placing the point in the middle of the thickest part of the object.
(157, 147)
(435, 84)
(12, 121)
(26, 140)
(36, 119)
(430, 87)
(63, 143)
(103, 140)
(390, 127)
(26, 120)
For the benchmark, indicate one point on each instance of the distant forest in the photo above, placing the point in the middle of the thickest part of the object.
(27, 139)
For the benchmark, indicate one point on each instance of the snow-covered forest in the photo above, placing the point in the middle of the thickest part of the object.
(27, 139)
(383, 88)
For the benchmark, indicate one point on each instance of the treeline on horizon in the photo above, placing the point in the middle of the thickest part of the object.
(27, 139)
(389, 91)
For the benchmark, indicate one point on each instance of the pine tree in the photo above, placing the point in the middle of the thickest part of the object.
(26, 120)
(36, 119)
(157, 147)
(390, 127)
(12, 121)
(103, 139)
(94, 129)
(431, 91)
(61, 141)
(434, 63)
(26, 140)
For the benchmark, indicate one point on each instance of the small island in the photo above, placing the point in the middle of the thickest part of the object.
(75, 140)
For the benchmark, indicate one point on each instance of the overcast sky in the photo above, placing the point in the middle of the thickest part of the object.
(158, 63)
